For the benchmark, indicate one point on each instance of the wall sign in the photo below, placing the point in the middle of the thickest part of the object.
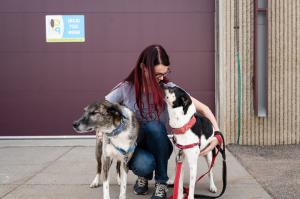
(65, 28)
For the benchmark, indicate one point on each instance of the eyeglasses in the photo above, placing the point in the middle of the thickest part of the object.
(160, 75)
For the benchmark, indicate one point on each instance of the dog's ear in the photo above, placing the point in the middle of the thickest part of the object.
(116, 113)
(186, 102)
(114, 110)
(106, 103)
(111, 108)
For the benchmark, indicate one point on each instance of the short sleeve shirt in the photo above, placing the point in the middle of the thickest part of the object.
(124, 94)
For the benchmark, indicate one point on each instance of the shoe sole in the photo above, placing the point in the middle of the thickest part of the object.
(145, 193)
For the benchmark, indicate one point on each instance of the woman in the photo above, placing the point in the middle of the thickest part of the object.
(141, 92)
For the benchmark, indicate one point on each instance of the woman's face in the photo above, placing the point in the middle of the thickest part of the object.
(161, 71)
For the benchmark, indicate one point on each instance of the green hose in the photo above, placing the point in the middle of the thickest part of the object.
(239, 96)
(236, 49)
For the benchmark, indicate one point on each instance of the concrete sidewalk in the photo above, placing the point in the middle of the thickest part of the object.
(63, 169)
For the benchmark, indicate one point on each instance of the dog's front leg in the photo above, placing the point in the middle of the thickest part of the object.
(192, 158)
(123, 184)
(96, 181)
(212, 186)
(106, 165)
(172, 178)
(118, 167)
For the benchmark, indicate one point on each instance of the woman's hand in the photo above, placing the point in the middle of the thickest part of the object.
(212, 143)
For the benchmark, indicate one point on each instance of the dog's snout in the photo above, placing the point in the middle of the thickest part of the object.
(162, 85)
(75, 124)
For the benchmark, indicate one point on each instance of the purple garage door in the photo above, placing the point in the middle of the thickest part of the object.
(44, 86)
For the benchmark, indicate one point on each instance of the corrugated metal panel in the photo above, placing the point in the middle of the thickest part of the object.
(282, 124)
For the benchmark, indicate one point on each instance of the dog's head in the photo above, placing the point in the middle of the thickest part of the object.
(101, 115)
(176, 97)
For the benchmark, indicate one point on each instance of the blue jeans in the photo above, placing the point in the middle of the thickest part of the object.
(152, 153)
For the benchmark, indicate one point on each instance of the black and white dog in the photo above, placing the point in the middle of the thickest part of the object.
(119, 127)
(189, 128)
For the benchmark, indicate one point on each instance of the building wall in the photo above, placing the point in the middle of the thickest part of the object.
(45, 86)
(282, 124)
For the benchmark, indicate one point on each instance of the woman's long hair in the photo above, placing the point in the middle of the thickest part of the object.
(145, 84)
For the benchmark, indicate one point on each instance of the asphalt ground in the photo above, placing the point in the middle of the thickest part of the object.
(276, 168)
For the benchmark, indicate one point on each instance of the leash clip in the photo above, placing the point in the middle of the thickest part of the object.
(179, 157)
(126, 159)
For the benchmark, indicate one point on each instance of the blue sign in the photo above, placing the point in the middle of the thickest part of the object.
(65, 28)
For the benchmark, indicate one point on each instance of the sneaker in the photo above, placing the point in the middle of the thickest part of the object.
(141, 186)
(160, 191)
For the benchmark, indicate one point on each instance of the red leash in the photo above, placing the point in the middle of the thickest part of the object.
(176, 185)
(211, 166)
(177, 177)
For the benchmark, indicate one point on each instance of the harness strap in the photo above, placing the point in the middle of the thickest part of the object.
(186, 127)
(124, 152)
(187, 146)
(182, 147)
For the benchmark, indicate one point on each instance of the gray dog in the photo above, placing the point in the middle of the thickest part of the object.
(119, 127)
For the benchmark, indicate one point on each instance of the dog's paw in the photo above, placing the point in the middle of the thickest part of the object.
(213, 188)
(96, 182)
(118, 180)
(170, 182)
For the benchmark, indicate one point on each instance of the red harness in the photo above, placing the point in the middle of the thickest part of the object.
(182, 130)
(186, 127)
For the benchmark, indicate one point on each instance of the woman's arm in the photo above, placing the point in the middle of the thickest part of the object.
(213, 142)
(206, 112)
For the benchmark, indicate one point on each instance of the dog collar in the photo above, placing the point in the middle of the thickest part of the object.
(119, 129)
(186, 127)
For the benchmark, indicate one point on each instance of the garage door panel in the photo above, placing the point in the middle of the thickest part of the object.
(134, 31)
(31, 72)
(206, 98)
(71, 71)
(52, 113)
(56, 6)
(118, 32)
(43, 113)
(193, 69)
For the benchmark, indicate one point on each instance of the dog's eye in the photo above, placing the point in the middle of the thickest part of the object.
(97, 113)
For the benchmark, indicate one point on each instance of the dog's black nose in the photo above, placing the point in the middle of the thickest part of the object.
(75, 124)
(162, 85)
